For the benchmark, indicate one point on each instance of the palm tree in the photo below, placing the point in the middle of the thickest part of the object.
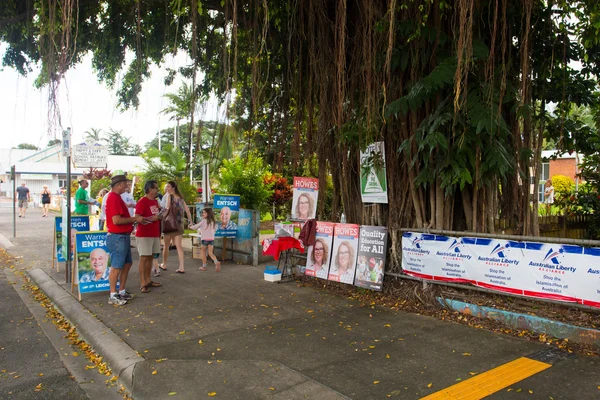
(166, 164)
(183, 106)
(93, 135)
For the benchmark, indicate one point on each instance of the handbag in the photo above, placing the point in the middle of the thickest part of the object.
(169, 222)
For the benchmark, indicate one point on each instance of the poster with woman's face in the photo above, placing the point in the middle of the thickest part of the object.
(343, 260)
(319, 254)
(306, 193)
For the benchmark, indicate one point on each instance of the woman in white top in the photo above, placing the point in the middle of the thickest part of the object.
(548, 195)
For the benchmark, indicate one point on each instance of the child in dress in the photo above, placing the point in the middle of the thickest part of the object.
(206, 228)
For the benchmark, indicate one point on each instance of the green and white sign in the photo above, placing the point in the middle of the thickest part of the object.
(373, 180)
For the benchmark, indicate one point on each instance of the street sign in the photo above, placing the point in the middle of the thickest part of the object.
(66, 142)
(90, 156)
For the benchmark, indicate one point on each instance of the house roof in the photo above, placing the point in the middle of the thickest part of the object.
(23, 160)
(550, 153)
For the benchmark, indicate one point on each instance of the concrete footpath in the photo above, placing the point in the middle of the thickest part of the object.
(231, 335)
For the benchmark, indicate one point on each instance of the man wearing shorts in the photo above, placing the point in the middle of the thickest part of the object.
(23, 199)
(119, 224)
(147, 234)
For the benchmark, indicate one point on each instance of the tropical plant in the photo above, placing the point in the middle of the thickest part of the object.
(246, 176)
(282, 194)
(93, 135)
(164, 165)
(27, 146)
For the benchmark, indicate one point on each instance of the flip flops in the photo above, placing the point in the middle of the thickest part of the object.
(179, 272)
(162, 266)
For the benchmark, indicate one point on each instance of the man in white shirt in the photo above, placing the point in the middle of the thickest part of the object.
(128, 199)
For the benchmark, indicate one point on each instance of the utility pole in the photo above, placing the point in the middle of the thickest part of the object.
(67, 221)
(13, 176)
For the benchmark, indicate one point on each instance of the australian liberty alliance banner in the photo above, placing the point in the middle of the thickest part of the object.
(373, 179)
(542, 270)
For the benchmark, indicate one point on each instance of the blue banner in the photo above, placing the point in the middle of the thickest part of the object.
(78, 224)
(244, 231)
(93, 262)
(227, 209)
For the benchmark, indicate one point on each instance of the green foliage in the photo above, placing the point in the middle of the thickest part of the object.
(27, 146)
(246, 177)
(164, 165)
(99, 184)
(53, 142)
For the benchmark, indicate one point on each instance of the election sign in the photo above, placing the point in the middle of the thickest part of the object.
(244, 230)
(226, 208)
(541, 270)
(345, 245)
(372, 249)
(306, 193)
(434, 257)
(373, 180)
(319, 254)
(93, 262)
(79, 223)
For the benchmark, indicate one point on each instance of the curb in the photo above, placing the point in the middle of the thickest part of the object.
(539, 325)
(5, 243)
(119, 356)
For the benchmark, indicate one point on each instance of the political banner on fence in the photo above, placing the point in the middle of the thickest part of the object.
(373, 179)
(345, 245)
(93, 262)
(434, 257)
(541, 270)
(306, 193)
(78, 224)
(319, 254)
(226, 208)
(370, 264)
(244, 230)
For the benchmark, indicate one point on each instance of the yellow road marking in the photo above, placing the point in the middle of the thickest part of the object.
(491, 381)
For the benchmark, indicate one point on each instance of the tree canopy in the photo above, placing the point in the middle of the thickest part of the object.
(459, 92)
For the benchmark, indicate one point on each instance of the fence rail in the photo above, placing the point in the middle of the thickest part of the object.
(556, 226)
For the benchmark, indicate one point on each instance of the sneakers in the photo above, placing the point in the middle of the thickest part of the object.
(125, 295)
(116, 300)
(155, 272)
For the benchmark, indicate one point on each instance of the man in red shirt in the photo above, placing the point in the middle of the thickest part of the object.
(147, 234)
(119, 224)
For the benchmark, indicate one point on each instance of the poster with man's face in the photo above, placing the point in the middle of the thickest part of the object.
(306, 193)
(93, 262)
(226, 208)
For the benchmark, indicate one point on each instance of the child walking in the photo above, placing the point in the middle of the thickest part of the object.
(206, 228)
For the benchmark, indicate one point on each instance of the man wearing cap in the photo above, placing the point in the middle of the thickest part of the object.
(119, 224)
(82, 200)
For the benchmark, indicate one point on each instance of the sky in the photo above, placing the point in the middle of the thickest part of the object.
(84, 103)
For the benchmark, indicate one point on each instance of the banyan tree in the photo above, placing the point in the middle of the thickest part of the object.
(462, 93)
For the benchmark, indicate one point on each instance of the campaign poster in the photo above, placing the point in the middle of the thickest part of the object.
(435, 257)
(306, 193)
(93, 262)
(372, 250)
(319, 254)
(589, 276)
(343, 261)
(373, 179)
(78, 224)
(227, 209)
(244, 229)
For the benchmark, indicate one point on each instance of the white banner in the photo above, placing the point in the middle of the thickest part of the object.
(542, 270)
(90, 156)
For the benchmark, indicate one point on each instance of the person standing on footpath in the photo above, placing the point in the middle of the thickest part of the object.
(119, 224)
(46, 199)
(147, 234)
(206, 228)
(23, 198)
(82, 200)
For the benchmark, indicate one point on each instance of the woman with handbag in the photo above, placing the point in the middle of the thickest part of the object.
(172, 224)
